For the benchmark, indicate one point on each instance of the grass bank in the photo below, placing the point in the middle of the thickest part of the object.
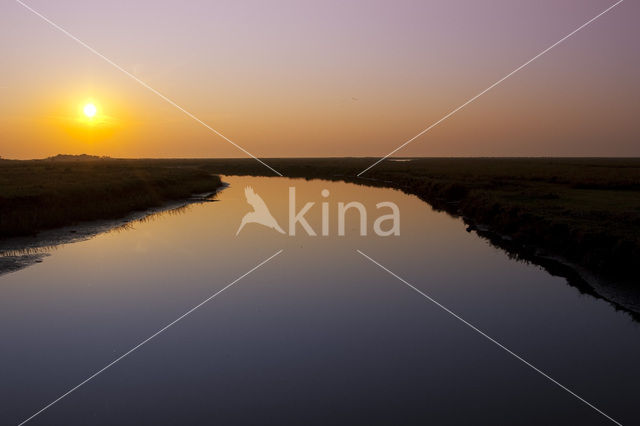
(42, 194)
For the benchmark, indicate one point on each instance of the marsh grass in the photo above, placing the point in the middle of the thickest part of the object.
(42, 194)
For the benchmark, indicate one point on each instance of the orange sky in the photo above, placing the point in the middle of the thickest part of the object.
(330, 79)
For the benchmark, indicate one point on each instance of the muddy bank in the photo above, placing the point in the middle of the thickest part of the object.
(623, 295)
(620, 290)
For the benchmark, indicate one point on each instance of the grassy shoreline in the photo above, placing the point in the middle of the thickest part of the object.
(584, 210)
(37, 195)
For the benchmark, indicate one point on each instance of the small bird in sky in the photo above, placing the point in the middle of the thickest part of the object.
(260, 213)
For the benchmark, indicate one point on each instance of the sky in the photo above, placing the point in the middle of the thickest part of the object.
(319, 78)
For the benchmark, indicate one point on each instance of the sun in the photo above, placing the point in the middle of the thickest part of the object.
(90, 110)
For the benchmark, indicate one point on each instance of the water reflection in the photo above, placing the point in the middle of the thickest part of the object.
(317, 336)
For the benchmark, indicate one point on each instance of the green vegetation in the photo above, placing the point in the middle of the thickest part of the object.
(584, 210)
(41, 194)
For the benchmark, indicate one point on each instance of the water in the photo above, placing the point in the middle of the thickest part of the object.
(318, 335)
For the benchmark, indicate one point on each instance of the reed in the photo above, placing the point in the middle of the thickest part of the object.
(41, 194)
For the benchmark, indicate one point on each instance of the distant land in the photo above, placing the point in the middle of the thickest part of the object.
(77, 157)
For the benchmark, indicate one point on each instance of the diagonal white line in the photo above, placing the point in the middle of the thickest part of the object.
(491, 339)
(492, 86)
(149, 338)
(67, 33)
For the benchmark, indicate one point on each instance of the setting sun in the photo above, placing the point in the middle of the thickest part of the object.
(90, 110)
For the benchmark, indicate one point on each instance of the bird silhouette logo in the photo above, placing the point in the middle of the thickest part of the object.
(260, 213)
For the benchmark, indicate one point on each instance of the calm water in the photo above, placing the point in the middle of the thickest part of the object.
(318, 335)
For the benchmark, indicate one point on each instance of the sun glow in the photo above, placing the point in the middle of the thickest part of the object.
(90, 110)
